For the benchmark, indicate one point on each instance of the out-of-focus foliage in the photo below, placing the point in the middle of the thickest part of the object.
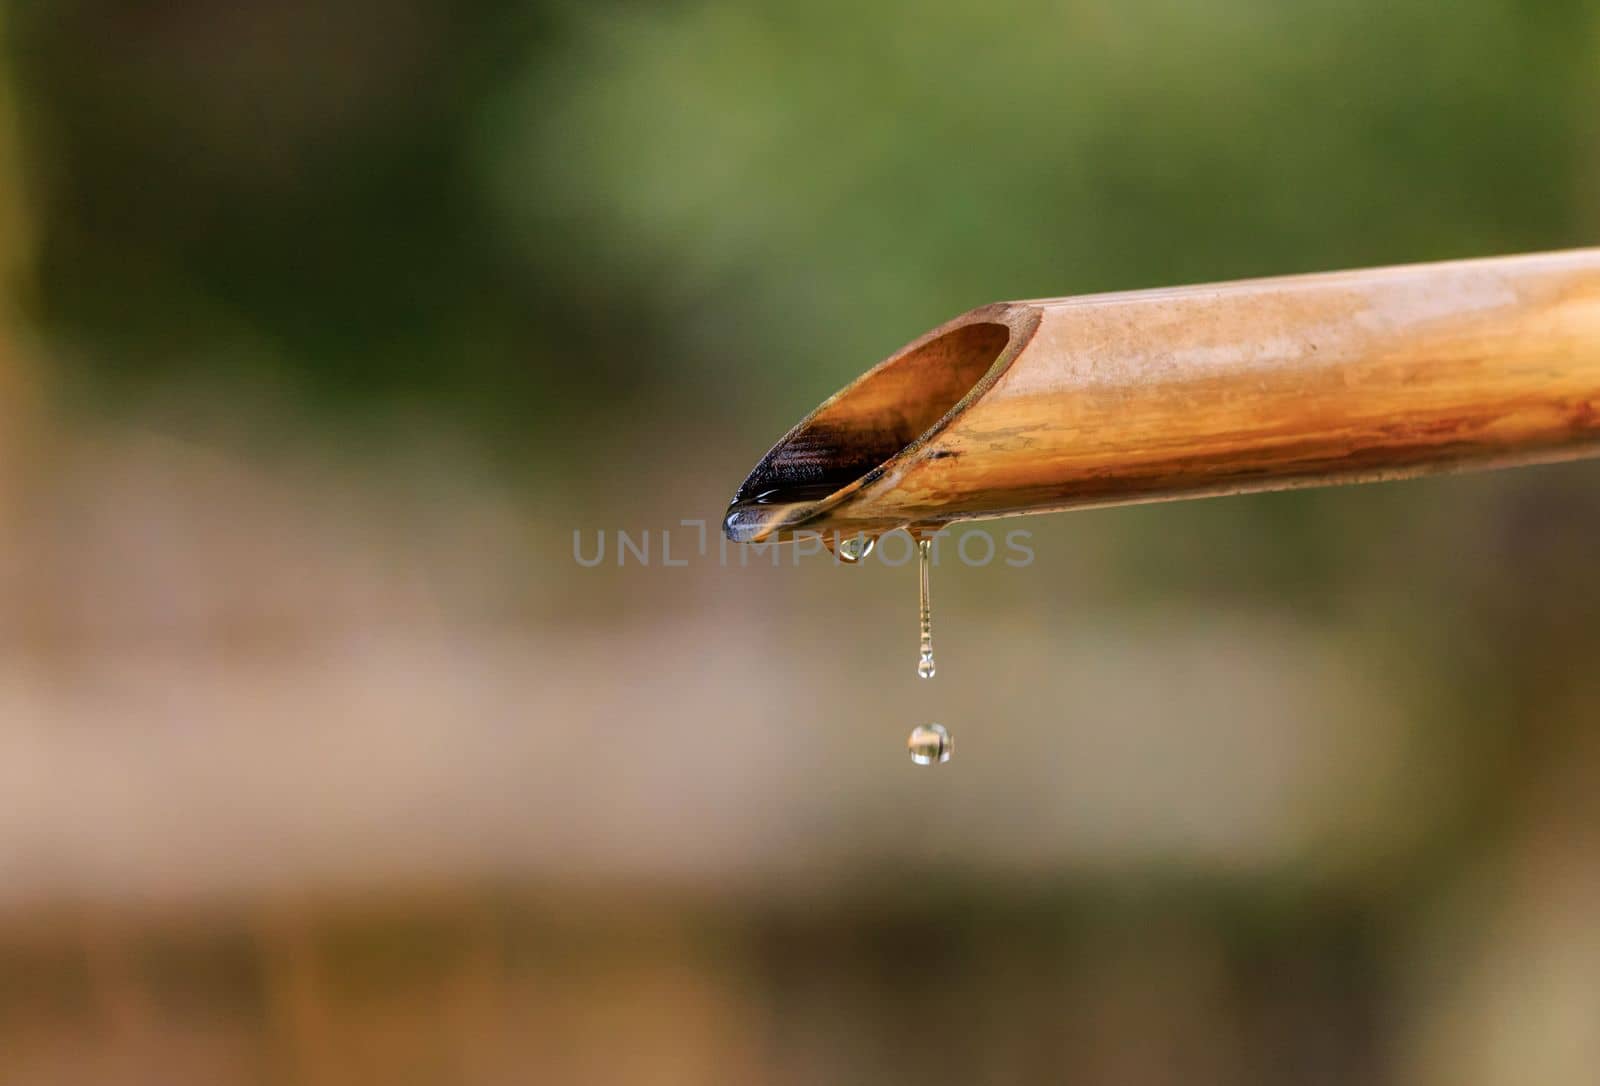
(541, 209)
(846, 170)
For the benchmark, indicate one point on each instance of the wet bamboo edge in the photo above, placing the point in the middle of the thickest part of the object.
(1054, 404)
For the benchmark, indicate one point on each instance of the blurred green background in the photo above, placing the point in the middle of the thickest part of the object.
(327, 327)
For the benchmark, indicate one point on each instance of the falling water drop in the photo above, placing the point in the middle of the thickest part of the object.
(925, 668)
(929, 744)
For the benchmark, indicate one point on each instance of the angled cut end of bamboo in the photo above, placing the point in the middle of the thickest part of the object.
(866, 432)
(1053, 404)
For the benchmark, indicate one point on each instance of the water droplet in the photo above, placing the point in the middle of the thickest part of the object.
(853, 549)
(925, 667)
(929, 744)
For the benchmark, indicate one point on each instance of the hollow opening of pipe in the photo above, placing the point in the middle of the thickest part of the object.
(894, 406)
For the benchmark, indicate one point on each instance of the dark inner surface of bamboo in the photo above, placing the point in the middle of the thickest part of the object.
(861, 428)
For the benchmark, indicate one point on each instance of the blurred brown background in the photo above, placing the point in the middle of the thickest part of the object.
(323, 759)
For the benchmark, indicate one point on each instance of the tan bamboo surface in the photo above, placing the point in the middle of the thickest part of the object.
(1053, 404)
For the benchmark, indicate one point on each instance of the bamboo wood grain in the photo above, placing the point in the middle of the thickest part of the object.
(1053, 404)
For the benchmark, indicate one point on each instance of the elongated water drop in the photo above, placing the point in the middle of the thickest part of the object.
(929, 744)
(925, 666)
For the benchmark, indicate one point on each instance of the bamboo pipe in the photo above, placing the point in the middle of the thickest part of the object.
(1063, 403)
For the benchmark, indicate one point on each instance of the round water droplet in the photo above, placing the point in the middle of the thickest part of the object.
(925, 667)
(929, 744)
(854, 548)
